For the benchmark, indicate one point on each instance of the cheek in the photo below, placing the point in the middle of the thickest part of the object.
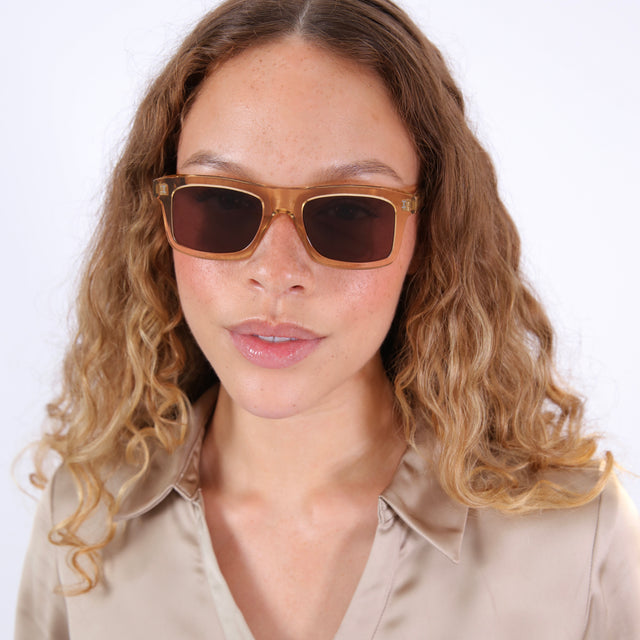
(378, 290)
(189, 277)
(200, 282)
(370, 302)
(376, 295)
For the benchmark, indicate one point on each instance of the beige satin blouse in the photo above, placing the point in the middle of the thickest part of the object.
(437, 570)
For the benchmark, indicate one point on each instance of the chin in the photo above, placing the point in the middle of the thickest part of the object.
(267, 401)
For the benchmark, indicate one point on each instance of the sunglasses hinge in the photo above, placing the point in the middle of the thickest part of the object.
(410, 204)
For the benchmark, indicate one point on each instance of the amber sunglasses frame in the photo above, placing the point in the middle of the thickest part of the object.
(287, 201)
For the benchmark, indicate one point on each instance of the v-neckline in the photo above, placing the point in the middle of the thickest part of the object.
(367, 604)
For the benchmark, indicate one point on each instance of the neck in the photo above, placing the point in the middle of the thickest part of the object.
(348, 444)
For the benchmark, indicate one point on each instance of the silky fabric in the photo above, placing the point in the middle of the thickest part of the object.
(437, 570)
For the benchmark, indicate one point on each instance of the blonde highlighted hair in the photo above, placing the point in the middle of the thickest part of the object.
(470, 352)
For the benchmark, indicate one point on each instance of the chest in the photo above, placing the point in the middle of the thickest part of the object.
(291, 575)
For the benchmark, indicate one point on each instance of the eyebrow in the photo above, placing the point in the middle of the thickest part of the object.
(342, 172)
(215, 162)
(335, 174)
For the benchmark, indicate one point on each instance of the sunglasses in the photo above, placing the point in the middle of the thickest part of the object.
(354, 227)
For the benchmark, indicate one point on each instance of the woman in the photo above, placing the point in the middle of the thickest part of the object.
(310, 395)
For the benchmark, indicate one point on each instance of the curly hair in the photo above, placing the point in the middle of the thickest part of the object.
(470, 351)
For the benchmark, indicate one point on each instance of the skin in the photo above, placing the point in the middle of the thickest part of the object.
(296, 457)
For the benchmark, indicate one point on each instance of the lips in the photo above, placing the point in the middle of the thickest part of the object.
(273, 346)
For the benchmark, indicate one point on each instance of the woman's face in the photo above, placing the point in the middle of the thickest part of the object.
(285, 334)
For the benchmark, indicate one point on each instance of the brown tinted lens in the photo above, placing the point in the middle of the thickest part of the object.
(350, 228)
(215, 219)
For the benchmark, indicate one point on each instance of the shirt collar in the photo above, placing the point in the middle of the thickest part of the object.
(179, 471)
(413, 494)
(417, 498)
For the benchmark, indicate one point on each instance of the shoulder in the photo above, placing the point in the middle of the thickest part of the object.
(61, 494)
(614, 604)
(610, 516)
(617, 535)
(617, 516)
(41, 610)
(570, 546)
(583, 561)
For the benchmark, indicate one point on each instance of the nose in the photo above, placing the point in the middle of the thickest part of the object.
(280, 264)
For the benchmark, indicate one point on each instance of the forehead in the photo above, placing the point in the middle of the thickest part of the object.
(291, 105)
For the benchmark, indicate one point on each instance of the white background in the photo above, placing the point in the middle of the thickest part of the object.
(553, 93)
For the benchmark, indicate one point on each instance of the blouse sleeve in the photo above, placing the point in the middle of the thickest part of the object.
(41, 610)
(614, 607)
